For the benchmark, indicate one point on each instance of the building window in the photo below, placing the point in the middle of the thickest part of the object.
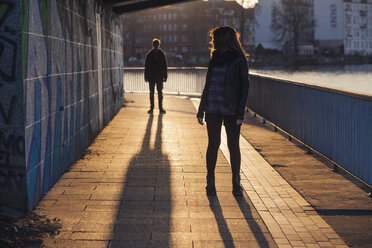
(169, 16)
(164, 16)
(170, 38)
(185, 38)
(184, 27)
(170, 27)
(175, 38)
(174, 16)
(184, 49)
(165, 27)
(175, 27)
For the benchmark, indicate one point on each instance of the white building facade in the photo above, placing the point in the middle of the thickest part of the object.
(262, 13)
(358, 27)
(329, 27)
(341, 26)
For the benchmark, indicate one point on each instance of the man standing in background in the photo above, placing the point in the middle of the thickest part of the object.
(156, 73)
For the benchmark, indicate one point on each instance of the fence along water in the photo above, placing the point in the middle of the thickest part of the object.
(336, 123)
(181, 80)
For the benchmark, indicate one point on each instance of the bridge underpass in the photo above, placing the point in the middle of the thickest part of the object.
(133, 188)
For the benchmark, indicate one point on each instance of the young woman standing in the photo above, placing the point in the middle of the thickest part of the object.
(223, 101)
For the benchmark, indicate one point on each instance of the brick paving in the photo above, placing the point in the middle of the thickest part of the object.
(337, 197)
(141, 184)
(291, 220)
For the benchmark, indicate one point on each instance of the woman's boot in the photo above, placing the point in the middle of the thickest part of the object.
(210, 188)
(237, 190)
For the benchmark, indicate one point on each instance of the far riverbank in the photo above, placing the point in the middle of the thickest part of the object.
(279, 59)
(348, 77)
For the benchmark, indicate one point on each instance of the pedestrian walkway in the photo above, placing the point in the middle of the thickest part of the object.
(141, 184)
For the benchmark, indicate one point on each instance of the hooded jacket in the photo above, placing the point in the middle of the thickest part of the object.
(236, 85)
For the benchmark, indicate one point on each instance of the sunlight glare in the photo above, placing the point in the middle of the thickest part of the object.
(247, 3)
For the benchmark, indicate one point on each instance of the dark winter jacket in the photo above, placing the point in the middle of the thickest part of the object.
(156, 66)
(236, 82)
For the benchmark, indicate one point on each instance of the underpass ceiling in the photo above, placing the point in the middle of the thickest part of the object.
(125, 6)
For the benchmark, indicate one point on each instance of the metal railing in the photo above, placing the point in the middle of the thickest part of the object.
(333, 122)
(181, 80)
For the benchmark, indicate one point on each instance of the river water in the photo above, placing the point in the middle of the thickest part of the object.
(349, 77)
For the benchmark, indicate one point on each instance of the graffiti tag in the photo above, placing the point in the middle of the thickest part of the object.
(7, 115)
(14, 144)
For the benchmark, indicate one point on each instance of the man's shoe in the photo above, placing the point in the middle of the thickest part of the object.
(150, 111)
(162, 111)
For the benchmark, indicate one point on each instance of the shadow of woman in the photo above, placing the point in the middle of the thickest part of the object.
(255, 228)
(223, 228)
(258, 238)
(143, 218)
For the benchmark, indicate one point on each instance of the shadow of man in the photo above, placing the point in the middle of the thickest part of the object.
(143, 218)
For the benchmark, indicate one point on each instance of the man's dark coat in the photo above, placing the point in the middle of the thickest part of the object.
(156, 66)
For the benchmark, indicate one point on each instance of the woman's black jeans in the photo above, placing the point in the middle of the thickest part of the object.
(214, 124)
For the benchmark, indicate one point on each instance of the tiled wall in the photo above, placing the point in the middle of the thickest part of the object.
(12, 133)
(60, 84)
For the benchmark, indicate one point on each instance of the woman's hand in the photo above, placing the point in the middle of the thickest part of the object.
(239, 122)
(200, 120)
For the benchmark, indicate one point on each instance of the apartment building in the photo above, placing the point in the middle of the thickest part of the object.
(183, 29)
(358, 27)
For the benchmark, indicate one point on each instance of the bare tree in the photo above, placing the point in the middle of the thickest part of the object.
(292, 22)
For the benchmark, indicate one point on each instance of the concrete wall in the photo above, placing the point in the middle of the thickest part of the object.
(62, 96)
(12, 133)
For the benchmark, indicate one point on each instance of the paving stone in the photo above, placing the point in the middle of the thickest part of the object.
(143, 185)
(107, 236)
(55, 243)
(152, 244)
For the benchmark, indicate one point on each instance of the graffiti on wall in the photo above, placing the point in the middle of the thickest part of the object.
(61, 105)
(12, 141)
(8, 46)
(12, 176)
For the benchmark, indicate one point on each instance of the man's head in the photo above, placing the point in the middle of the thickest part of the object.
(156, 44)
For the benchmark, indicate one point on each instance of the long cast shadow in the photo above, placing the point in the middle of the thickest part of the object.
(223, 228)
(255, 228)
(143, 218)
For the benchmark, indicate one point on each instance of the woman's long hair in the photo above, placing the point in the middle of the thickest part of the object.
(225, 38)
